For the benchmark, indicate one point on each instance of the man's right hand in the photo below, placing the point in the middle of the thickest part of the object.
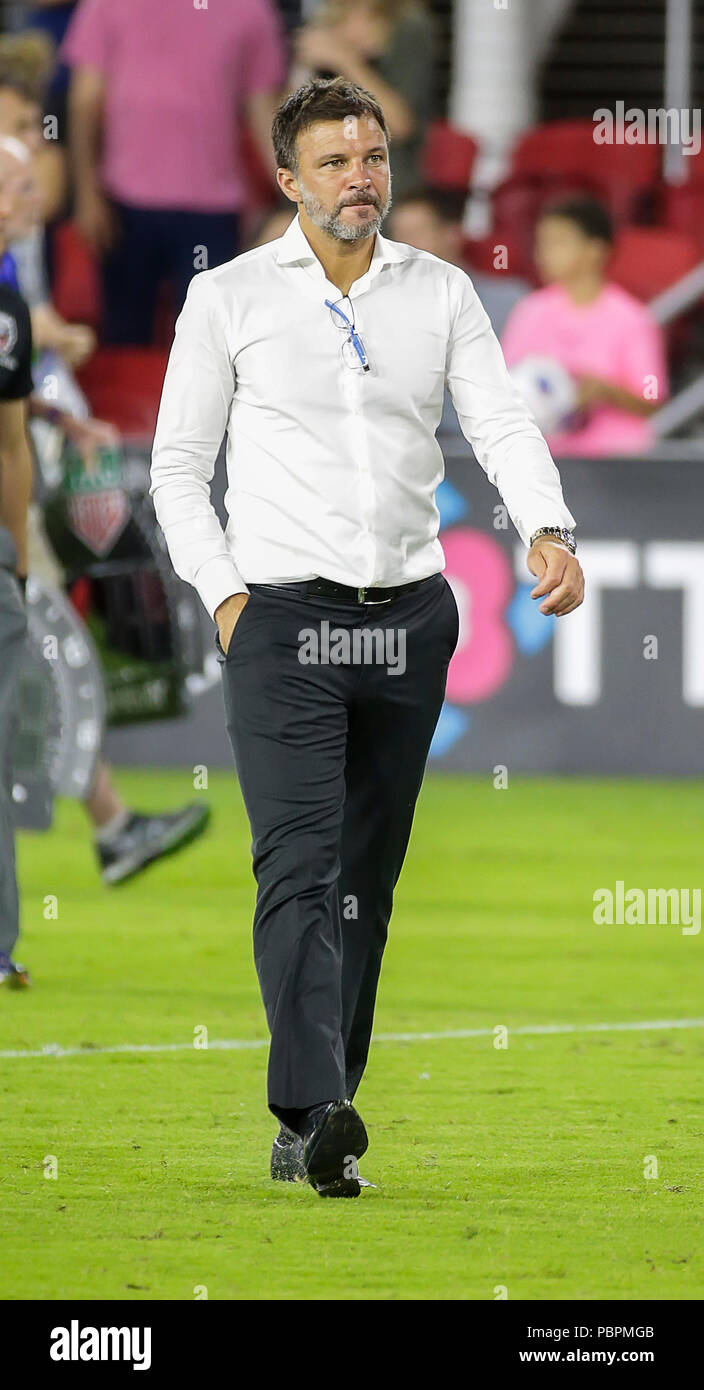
(226, 616)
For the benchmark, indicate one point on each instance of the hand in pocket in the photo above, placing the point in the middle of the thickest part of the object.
(227, 616)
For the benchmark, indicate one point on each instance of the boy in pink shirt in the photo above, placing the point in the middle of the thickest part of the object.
(604, 337)
(159, 92)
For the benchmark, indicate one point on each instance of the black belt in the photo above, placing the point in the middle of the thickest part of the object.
(345, 593)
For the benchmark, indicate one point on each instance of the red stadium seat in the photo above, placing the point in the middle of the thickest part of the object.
(75, 289)
(624, 174)
(480, 254)
(124, 385)
(682, 204)
(647, 260)
(559, 159)
(448, 156)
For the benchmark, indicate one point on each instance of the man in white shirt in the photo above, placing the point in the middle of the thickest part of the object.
(324, 355)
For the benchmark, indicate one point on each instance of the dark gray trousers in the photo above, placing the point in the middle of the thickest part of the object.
(13, 626)
(330, 759)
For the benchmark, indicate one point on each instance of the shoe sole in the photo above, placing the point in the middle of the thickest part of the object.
(133, 865)
(343, 1137)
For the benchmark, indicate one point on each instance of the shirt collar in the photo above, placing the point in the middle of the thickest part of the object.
(293, 248)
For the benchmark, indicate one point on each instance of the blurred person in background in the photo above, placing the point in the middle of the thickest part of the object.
(158, 96)
(15, 491)
(125, 840)
(51, 18)
(57, 345)
(606, 339)
(24, 65)
(57, 398)
(431, 220)
(385, 46)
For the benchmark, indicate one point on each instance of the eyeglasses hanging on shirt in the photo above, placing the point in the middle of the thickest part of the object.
(353, 351)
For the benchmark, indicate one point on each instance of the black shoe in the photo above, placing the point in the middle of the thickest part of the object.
(12, 975)
(333, 1140)
(147, 838)
(287, 1157)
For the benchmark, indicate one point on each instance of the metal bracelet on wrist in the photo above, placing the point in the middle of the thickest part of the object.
(560, 533)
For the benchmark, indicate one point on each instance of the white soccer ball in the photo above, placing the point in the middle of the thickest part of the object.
(547, 389)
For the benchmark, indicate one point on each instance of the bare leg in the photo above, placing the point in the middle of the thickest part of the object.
(103, 803)
(126, 841)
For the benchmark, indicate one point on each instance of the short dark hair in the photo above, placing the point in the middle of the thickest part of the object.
(320, 99)
(591, 216)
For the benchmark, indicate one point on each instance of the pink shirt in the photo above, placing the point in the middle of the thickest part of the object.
(613, 338)
(176, 80)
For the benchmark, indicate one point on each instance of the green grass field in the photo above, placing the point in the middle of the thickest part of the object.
(521, 1167)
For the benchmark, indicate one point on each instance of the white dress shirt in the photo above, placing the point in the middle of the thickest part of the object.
(332, 471)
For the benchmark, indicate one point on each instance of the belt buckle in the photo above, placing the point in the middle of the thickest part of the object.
(361, 595)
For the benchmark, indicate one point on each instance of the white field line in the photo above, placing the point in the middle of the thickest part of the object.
(538, 1030)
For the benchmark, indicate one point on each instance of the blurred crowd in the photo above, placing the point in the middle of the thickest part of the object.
(146, 132)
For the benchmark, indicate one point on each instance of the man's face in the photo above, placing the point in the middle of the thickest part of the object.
(417, 224)
(20, 119)
(343, 176)
(563, 250)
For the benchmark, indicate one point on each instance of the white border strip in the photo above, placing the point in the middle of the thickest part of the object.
(538, 1030)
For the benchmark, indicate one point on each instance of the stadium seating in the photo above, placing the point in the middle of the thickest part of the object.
(75, 289)
(647, 260)
(448, 156)
(682, 204)
(558, 159)
(624, 175)
(123, 385)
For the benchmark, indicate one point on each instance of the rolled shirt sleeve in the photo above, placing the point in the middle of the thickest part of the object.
(496, 422)
(193, 415)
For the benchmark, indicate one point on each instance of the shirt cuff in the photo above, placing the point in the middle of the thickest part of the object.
(527, 527)
(216, 580)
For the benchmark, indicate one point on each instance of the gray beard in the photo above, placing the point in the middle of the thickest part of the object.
(332, 222)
